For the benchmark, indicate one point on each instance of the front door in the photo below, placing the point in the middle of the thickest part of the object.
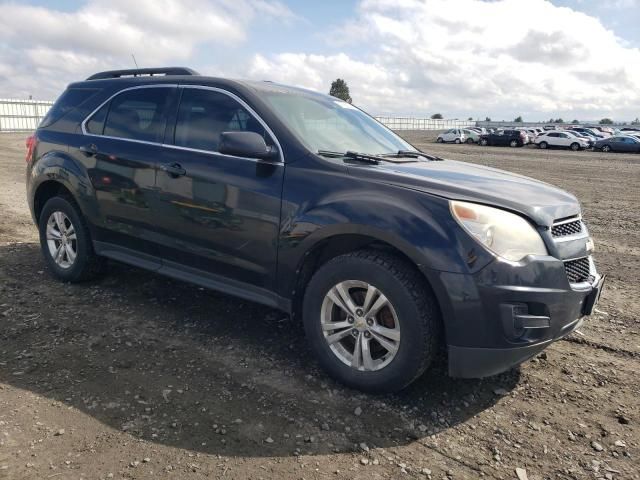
(219, 215)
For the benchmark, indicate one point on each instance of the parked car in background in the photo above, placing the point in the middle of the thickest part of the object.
(603, 131)
(511, 138)
(590, 139)
(561, 139)
(533, 133)
(454, 135)
(550, 127)
(528, 138)
(589, 131)
(619, 143)
(635, 135)
(471, 136)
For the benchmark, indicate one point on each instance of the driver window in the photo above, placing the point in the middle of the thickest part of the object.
(204, 114)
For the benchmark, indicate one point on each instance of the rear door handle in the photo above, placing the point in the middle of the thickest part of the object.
(173, 169)
(89, 150)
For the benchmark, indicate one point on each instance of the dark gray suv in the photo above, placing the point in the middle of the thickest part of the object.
(303, 202)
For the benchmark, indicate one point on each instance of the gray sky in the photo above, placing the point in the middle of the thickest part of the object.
(535, 58)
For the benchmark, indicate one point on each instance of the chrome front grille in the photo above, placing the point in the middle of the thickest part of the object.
(578, 270)
(563, 229)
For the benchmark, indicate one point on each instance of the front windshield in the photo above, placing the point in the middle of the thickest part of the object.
(327, 123)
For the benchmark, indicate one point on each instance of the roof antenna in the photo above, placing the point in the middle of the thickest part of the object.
(134, 61)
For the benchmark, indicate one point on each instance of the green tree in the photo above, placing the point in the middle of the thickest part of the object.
(636, 121)
(575, 121)
(340, 89)
(437, 116)
(606, 121)
(470, 118)
(487, 119)
(518, 119)
(558, 120)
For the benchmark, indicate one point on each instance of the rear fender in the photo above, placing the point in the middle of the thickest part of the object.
(58, 166)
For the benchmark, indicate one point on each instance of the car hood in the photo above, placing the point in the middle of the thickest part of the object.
(541, 202)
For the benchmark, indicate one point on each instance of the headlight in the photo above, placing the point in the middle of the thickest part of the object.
(505, 234)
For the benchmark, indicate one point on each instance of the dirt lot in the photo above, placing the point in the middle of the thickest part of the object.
(138, 376)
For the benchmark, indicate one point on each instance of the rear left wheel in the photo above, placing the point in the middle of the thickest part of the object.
(469, 140)
(371, 321)
(66, 243)
(513, 143)
(575, 146)
(458, 141)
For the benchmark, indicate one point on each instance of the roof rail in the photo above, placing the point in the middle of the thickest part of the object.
(138, 72)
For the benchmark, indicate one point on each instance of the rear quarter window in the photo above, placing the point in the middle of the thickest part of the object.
(70, 99)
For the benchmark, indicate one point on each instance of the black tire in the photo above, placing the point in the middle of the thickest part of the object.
(469, 140)
(414, 304)
(439, 140)
(543, 145)
(574, 146)
(458, 141)
(606, 148)
(484, 142)
(513, 143)
(87, 264)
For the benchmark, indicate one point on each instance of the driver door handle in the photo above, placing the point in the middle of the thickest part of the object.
(173, 169)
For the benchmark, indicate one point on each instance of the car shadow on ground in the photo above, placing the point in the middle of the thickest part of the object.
(181, 366)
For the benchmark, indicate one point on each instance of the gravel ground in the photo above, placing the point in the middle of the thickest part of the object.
(137, 376)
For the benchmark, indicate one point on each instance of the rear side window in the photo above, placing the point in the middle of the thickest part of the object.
(138, 114)
(70, 99)
(204, 114)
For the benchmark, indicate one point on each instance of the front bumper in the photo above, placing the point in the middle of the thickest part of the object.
(509, 311)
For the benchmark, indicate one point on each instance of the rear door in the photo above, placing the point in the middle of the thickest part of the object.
(553, 139)
(121, 146)
(219, 214)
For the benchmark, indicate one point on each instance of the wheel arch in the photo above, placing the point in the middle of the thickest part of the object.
(57, 173)
(334, 245)
(45, 191)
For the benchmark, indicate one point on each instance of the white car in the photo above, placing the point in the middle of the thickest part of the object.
(560, 139)
(455, 135)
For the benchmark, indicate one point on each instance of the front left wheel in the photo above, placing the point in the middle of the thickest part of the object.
(371, 320)
(66, 243)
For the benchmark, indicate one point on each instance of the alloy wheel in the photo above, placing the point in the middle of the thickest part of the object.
(360, 325)
(62, 240)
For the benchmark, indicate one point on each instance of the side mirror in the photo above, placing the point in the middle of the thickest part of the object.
(246, 144)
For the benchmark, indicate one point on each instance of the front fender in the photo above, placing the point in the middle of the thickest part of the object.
(417, 224)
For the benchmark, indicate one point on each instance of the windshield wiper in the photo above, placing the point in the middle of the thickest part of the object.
(412, 154)
(362, 157)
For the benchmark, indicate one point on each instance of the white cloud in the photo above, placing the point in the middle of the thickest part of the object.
(470, 57)
(502, 58)
(43, 49)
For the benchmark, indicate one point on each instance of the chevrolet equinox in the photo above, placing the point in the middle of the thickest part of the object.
(303, 202)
